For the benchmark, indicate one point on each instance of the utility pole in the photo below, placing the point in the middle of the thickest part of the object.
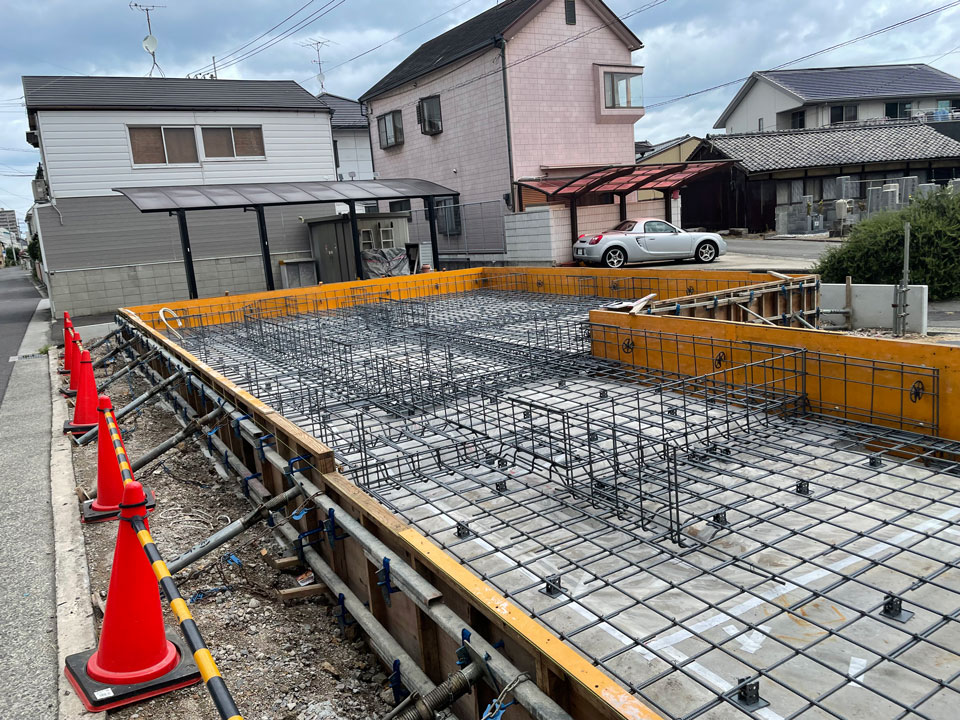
(317, 44)
(149, 42)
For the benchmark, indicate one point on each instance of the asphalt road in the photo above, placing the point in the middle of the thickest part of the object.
(18, 300)
(806, 249)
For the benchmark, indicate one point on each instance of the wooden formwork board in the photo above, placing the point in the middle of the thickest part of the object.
(582, 689)
(885, 381)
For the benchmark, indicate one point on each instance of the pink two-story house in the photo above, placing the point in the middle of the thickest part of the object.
(529, 89)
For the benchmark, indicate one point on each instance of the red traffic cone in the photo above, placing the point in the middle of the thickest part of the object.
(85, 409)
(113, 469)
(76, 347)
(67, 344)
(135, 658)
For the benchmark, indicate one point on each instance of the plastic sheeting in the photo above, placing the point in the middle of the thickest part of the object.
(389, 262)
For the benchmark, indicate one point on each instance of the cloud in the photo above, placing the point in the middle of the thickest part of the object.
(690, 45)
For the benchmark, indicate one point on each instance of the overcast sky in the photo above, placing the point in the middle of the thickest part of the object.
(690, 45)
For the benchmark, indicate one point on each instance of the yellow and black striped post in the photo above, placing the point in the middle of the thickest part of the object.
(188, 626)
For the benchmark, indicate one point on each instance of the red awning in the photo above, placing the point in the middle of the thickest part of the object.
(622, 179)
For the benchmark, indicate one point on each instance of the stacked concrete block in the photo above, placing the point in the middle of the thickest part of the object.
(926, 189)
(908, 188)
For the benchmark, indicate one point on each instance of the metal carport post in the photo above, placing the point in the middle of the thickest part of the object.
(264, 247)
(430, 202)
(187, 254)
(355, 231)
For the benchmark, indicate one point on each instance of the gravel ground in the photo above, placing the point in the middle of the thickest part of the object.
(281, 661)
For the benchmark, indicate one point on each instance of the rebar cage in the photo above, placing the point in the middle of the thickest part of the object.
(693, 515)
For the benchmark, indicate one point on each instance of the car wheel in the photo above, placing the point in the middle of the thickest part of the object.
(614, 257)
(706, 252)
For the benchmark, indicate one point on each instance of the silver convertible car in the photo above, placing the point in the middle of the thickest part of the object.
(645, 239)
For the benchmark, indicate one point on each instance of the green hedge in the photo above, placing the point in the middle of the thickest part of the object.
(874, 251)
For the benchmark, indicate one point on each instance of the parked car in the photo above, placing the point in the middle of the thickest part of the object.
(644, 239)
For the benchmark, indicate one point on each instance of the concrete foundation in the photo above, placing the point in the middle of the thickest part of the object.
(873, 306)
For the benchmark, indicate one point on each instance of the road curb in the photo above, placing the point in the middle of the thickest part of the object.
(75, 626)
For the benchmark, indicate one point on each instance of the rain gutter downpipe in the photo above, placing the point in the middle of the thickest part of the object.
(502, 43)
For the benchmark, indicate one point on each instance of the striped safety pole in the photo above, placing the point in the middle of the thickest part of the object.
(116, 439)
(188, 627)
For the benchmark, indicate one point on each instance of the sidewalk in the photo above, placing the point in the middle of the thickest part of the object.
(29, 672)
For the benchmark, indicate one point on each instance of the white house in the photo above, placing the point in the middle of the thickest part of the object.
(98, 133)
(351, 137)
(819, 97)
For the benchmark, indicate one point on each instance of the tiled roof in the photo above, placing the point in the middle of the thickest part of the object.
(145, 93)
(475, 34)
(465, 39)
(347, 113)
(855, 145)
(848, 83)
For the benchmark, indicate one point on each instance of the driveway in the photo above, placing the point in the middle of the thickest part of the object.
(758, 254)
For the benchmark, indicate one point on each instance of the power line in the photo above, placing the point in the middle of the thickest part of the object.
(309, 20)
(845, 43)
(561, 43)
(397, 37)
(227, 56)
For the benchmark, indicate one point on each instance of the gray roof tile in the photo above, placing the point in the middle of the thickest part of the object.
(347, 113)
(847, 83)
(855, 145)
(99, 93)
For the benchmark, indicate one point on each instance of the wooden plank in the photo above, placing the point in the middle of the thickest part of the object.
(298, 593)
(282, 564)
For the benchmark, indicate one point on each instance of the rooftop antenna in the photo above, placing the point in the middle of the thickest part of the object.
(317, 44)
(149, 42)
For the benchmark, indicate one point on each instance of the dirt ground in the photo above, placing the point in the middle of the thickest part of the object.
(280, 661)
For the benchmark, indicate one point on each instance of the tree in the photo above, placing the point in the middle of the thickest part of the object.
(874, 251)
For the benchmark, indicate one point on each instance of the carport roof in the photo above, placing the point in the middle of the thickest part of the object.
(622, 179)
(210, 197)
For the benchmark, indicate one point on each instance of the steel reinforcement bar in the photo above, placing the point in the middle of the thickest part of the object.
(432, 624)
(207, 666)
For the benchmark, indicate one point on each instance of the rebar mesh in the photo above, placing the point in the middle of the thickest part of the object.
(689, 532)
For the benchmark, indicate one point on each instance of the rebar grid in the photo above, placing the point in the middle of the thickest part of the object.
(686, 533)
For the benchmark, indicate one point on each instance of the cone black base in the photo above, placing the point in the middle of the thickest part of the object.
(89, 515)
(78, 430)
(97, 697)
(61, 371)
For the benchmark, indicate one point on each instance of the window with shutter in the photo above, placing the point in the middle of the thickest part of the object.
(147, 146)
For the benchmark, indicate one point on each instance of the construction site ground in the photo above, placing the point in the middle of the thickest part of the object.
(282, 661)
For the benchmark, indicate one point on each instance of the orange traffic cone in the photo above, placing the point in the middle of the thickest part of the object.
(76, 347)
(67, 344)
(135, 658)
(113, 469)
(85, 409)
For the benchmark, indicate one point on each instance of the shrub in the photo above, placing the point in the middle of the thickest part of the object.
(874, 251)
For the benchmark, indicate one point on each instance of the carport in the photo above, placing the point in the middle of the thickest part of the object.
(621, 180)
(180, 199)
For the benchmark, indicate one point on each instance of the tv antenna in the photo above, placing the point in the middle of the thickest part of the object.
(318, 44)
(149, 42)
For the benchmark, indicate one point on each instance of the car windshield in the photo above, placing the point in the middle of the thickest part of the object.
(625, 226)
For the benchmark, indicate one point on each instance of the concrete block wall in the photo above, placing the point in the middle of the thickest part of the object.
(103, 290)
(873, 306)
(541, 235)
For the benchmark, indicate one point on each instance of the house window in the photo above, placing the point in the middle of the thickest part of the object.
(948, 105)
(622, 90)
(163, 145)
(759, 124)
(402, 206)
(428, 115)
(570, 10)
(336, 155)
(843, 113)
(448, 216)
(220, 143)
(898, 110)
(798, 120)
(390, 127)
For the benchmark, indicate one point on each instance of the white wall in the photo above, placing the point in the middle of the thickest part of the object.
(541, 234)
(872, 306)
(86, 153)
(762, 100)
(355, 154)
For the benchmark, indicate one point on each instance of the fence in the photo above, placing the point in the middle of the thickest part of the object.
(463, 230)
